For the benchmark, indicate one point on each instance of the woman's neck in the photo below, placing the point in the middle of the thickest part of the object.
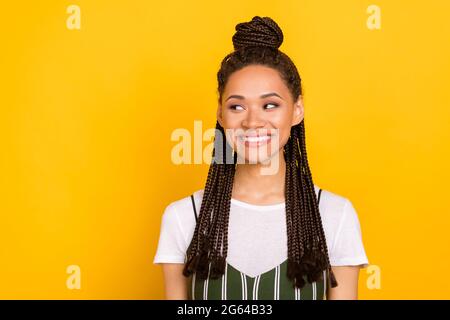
(252, 185)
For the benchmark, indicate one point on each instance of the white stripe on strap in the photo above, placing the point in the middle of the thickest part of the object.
(243, 286)
(314, 291)
(256, 287)
(193, 286)
(224, 284)
(205, 287)
(276, 285)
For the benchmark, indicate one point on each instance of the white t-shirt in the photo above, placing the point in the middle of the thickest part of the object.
(257, 236)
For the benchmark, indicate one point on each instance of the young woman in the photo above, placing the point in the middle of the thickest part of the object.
(260, 229)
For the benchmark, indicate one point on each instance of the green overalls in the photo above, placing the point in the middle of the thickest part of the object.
(270, 285)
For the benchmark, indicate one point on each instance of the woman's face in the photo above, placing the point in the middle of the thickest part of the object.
(257, 112)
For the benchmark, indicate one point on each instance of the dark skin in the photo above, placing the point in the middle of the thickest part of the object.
(256, 113)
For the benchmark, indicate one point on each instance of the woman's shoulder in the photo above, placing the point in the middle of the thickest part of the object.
(182, 209)
(177, 227)
(339, 218)
(331, 199)
(185, 204)
(333, 206)
(342, 229)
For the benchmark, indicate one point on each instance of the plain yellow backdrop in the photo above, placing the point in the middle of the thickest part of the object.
(87, 115)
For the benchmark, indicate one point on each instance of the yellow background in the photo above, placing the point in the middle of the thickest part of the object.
(86, 118)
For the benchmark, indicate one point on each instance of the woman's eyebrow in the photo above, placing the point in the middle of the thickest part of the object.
(270, 94)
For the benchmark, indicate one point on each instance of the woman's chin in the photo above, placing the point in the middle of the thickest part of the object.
(255, 159)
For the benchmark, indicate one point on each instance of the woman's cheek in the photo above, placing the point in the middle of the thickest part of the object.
(284, 138)
(231, 136)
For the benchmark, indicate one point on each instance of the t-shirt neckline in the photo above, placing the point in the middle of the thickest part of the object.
(258, 207)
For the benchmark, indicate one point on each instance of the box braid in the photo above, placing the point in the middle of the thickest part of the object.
(256, 43)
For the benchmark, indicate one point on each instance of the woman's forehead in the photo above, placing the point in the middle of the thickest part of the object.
(254, 81)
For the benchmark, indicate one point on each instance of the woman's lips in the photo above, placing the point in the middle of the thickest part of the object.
(255, 141)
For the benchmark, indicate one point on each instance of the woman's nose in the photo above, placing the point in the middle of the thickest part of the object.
(253, 119)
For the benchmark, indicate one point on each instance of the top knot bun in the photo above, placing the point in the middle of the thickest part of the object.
(258, 32)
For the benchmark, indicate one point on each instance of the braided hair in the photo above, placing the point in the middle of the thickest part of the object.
(256, 43)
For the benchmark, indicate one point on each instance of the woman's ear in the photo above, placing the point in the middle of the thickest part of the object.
(298, 111)
(219, 114)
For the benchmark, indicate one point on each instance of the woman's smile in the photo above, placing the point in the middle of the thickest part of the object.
(255, 140)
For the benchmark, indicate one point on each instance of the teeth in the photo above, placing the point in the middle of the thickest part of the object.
(255, 139)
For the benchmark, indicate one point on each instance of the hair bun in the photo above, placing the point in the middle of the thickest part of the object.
(258, 32)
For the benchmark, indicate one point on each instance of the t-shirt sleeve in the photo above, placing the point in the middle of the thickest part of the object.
(348, 248)
(171, 244)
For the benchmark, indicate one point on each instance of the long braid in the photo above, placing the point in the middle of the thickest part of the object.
(299, 225)
(219, 266)
(218, 259)
(294, 238)
(324, 260)
(225, 183)
(310, 258)
(306, 195)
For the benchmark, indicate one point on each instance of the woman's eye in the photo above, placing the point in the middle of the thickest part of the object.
(236, 106)
(273, 104)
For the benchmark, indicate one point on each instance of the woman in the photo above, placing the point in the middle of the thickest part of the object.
(288, 238)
